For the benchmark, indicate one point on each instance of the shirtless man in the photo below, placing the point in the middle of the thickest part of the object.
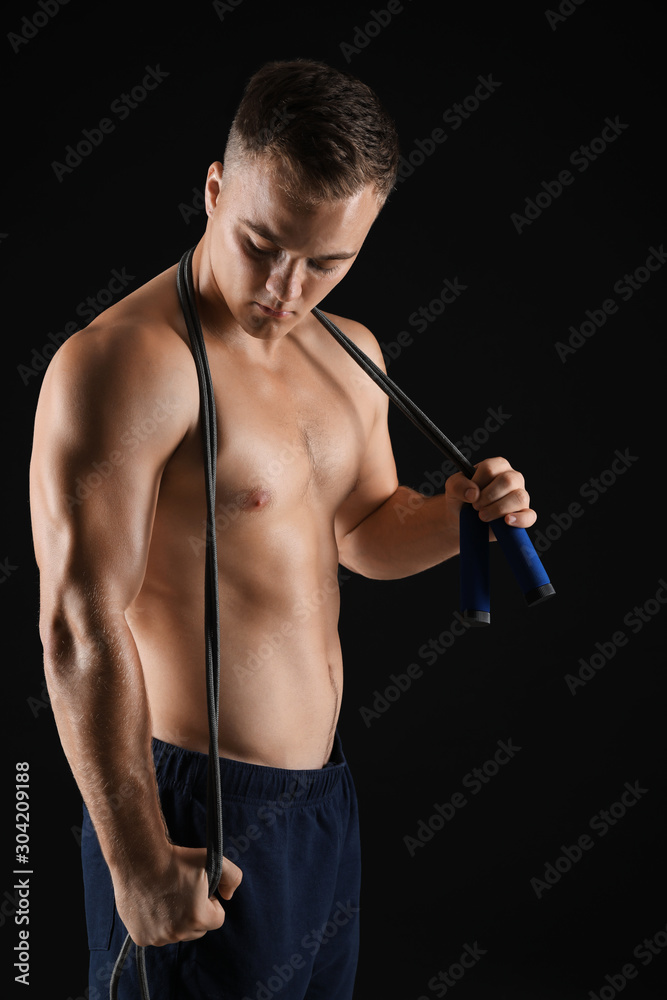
(305, 480)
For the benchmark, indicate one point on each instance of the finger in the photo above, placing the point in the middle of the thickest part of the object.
(230, 879)
(509, 503)
(491, 469)
(518, 519)
(215, 917)
(459, 487)
(192, 936)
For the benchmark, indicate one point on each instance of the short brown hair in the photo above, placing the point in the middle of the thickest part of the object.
(327, 130)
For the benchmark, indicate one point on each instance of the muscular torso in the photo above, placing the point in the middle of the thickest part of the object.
(291, 436)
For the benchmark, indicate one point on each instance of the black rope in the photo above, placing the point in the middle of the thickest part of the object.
(186, 294)
(514, 542)
(118, 967)
(403, 402)
(214, 837)
(214, 833)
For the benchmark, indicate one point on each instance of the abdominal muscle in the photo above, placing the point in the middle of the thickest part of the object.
(281, 674)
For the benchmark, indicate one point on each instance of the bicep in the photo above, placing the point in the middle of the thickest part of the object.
(377, 479)
(93, 482)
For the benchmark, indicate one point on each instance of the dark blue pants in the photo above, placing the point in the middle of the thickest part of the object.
(291, 930)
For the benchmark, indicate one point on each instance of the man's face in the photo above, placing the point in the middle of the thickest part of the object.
(271, 260)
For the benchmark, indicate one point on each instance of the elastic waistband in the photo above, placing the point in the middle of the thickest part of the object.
(176, 766)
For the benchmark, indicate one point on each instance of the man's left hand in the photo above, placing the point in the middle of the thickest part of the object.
(496, 490)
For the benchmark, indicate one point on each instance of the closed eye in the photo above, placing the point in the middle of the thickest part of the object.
(256, 251)
(323, 270)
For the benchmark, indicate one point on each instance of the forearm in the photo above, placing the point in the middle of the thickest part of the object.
(408, 533)
(97, 691)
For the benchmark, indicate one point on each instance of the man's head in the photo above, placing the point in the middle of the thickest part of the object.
(309, 163)
(325, 132)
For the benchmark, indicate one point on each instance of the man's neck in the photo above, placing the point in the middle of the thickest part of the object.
(217, 320)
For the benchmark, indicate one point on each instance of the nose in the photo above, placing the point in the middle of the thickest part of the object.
(284, 282)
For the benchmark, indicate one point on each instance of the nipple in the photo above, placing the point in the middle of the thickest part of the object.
(255, 499)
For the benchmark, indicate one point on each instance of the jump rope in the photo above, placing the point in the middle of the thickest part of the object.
(475, 598)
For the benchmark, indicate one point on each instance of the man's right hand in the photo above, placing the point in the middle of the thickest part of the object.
(173, 904)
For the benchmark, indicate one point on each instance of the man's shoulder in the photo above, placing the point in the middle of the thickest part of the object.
(359, 334)
(132, 354)
(141, 334)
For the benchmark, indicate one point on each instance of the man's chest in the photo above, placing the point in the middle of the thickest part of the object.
(283, 445)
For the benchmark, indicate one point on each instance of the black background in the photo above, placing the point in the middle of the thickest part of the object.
(126, 206)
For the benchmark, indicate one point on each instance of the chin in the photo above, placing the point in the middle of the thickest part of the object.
(263, 327)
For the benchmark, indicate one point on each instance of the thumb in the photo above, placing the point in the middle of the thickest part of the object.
(230, 878)
(459, 490)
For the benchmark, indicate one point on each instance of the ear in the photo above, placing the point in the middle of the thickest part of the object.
(213, 185)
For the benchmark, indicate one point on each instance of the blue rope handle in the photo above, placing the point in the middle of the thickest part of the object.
(515, 543)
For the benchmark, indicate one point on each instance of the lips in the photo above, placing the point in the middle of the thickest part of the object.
(274, 313)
